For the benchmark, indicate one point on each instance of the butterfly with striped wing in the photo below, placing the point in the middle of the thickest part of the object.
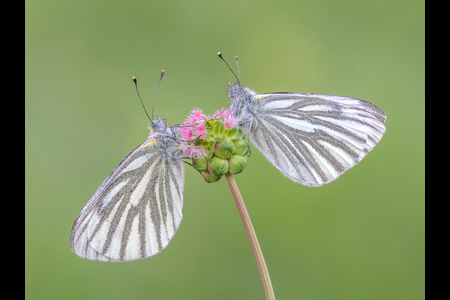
(138, 208)
(311, 138)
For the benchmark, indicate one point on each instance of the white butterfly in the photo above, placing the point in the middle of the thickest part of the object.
(137, 209)
(311, 138)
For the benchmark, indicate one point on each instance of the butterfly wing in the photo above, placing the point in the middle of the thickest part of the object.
(137, 209)
(312, 138)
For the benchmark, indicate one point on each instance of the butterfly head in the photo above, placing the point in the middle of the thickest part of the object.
(239, 93)
(236, 91)
(159, 126)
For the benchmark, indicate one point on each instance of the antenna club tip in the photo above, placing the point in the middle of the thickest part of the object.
(236, 58)
(134, 79)
(163, 72)
(219, 54)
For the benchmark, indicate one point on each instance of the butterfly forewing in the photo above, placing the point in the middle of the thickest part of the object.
(312, 138)
(137, 210)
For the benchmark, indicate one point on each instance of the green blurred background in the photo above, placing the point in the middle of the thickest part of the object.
(359, 237)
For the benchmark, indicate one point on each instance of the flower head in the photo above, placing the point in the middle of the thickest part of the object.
(211, 143)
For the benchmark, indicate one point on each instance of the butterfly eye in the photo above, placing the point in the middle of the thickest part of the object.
(157, 125)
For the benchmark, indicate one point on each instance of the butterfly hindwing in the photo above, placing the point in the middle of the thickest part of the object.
(138, 208)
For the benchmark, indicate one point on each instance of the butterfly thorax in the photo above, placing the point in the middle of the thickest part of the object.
(241, 107)
(240, 93)
(167, 144)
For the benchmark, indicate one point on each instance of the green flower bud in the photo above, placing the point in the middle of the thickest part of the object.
(218, 166)
(224, 149)
(232, 132)
(239, 134)
(242, 147)
(237, 164)
(209, 124)
(210, 178)
(200, 165)
(215, 132)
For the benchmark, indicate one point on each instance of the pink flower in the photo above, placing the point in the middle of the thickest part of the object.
(230, 122)
(222, 113)
(200, 152)
(196, 116)
(190, 121)
(193, 152)
(186, 133)
(201, 130)
(189, 150)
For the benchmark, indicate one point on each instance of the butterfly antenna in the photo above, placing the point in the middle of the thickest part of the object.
(137, 91)
(239, 72)
(220, 55)
(162, 75)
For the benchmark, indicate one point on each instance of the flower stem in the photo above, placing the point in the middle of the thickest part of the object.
(268, 289)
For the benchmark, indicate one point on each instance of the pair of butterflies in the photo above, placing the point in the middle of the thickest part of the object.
(311, 138)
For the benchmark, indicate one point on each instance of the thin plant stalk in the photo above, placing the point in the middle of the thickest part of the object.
(268, 289)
